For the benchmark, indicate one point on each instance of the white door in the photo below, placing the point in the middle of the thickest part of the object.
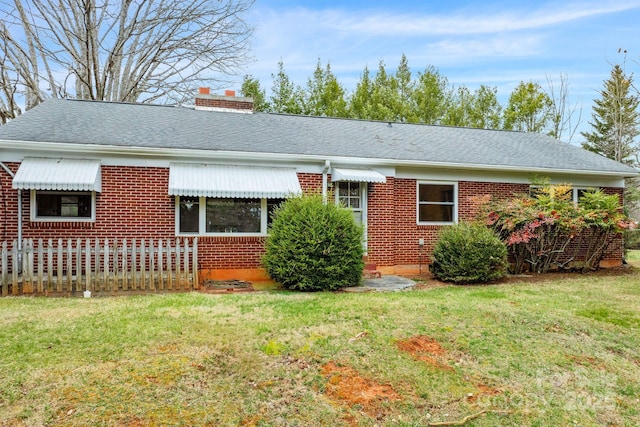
(353, 195)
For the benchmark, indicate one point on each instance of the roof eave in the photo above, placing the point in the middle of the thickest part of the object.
(95, 150)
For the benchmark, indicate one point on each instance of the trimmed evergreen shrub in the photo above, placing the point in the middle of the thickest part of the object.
(314, 246)
(469, 253)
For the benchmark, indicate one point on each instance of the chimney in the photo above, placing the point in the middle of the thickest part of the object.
(228, 102)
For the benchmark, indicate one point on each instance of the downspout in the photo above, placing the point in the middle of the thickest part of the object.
(325, 171)
(12, 175)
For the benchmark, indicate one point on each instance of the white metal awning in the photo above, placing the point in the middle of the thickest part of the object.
(232, 181)
(357, 175)
(58, 174)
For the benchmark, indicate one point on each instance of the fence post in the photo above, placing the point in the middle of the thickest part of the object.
(160, 262)
(50, 265)
(194, 259)
(96, 257)
(152, 283)
(78, 265)
(125, 285)
(14, 268)
(60, 258)
(105, 266)
(40, 266)
(185, 267)
(87, 265)
(69, 266)
(27, 266)
(5, 270)
(114, 283)
(169, 267)
(178, 275)
(143, 267)
(134, 279)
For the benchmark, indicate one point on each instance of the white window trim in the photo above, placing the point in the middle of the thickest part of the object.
(455, 202)
(202, 217)
(577, 189)
(574, 190)
(34, 207)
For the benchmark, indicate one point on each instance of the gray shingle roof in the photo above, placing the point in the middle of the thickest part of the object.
(153, 126)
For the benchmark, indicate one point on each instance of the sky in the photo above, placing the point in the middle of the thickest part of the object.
(492, 42)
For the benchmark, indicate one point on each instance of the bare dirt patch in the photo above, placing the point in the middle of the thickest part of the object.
(346, 387)
(588, 362)
(482, 390)
(426, 349)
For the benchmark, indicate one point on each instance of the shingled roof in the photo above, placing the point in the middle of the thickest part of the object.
(165, 127)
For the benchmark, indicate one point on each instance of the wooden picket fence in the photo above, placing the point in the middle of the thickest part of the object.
(71, 267)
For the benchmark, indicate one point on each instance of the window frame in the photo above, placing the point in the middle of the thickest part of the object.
(577, 190)
(33, 201)
(574, 191)
(202, 218)
(454, 203)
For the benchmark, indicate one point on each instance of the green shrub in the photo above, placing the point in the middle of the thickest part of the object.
(469, 253)
(314, 246)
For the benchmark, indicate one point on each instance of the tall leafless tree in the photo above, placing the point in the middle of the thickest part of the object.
(563, 115)
(117, 50)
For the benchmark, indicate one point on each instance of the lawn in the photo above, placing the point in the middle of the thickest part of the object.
(562, 351)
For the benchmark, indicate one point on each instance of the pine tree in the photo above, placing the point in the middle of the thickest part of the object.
(286, 97)
(251, 88)
(360, 101)
(324, 96)
(615, 120)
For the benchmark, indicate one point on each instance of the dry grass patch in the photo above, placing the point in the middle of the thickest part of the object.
(521, 353)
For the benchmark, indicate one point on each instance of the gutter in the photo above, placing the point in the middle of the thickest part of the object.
(203, 155)
(12, 175)
(325, 171)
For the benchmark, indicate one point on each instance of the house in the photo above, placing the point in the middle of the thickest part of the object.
(76, 169)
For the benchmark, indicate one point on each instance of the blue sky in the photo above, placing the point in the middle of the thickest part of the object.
(496, 43)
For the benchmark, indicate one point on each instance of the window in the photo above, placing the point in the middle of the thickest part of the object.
(189, 216)
(437, 203)
(351, 195)
(62, 206)
(579, 192)
(208, 215)
(576, 192)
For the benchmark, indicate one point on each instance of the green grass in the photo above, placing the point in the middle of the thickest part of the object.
(633, 255)
(557, 352)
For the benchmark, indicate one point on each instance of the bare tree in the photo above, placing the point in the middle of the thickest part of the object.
(563, 121)
(117, 50)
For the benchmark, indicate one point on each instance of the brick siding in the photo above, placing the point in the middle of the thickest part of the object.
(134, 202)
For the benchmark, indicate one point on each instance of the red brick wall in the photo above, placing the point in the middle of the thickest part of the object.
(393, 229)
(134, 202)
(8, 205)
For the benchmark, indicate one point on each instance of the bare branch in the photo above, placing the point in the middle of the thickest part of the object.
(128, 50)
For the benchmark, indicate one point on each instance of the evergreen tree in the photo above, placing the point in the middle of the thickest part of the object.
(251, 88)
(324, 95)
(384, 96)
(285, 96)
(360, 101)
(615, 120)
(432, 96)
(405, 110)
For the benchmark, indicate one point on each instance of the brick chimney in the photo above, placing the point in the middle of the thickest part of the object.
(228, 102)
